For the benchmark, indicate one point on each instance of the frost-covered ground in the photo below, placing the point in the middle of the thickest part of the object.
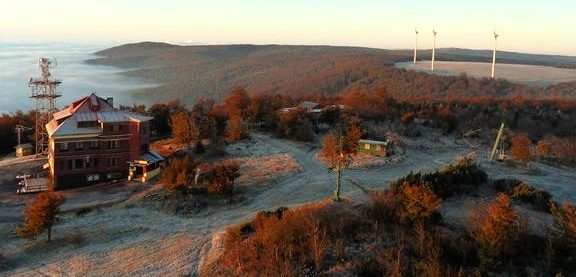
(119, 238)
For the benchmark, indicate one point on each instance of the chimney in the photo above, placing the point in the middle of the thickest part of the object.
(110, 101)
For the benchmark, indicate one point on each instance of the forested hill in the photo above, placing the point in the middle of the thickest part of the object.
(191, 72)
(188, 72)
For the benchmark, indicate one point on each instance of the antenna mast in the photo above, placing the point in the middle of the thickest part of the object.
(44, 91)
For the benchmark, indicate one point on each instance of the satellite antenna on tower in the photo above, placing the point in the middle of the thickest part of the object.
(494, 54)
(415, 46)
(433, 49)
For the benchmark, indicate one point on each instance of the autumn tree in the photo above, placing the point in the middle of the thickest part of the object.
(236, 130)
(419, 203)
(236, 107)
(337, 156)
(543, 148)
(407, 117)
(565, 220)
(184, 128)
(521, 149)
(496, 229)
(330, 147)
(262, 109)
(178, 175)
(296, 124)
(351, 135)
(160, 113)
(223, 177)
(237, 102)
(41, 214)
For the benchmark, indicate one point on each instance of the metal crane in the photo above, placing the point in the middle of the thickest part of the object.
(499, 145)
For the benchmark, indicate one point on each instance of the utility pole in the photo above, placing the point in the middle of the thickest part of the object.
(19, 129)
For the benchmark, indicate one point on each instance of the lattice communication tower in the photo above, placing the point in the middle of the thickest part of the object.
(45, 91)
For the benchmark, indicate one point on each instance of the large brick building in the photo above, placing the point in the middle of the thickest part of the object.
(90, 142)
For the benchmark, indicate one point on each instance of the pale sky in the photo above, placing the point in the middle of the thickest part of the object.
(541, 26)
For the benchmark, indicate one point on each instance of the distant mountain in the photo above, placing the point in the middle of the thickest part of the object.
(190, 72)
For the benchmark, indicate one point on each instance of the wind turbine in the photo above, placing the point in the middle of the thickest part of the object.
(415, 46)
(433, 49)
(494, 54)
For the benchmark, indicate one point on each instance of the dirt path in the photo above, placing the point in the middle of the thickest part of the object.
(135, 241)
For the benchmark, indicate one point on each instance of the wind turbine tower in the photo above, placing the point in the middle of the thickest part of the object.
(433, 49)
(494, 55)
(415, 46)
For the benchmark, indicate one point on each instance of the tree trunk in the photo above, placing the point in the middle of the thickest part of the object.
(49, 233)
(338, 174)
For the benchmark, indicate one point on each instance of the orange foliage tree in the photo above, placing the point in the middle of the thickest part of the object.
(565, 220)
(177, 176)
(41, 214)
(521, 149)
(543, 148)
(496, 229)
(223, 177)
(419, 202)
(236, 108)
(184, 128)
(237, 102)
(296, 124)
(330, 147)
(236, 130)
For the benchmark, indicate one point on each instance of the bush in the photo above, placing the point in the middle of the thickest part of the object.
(565, 221)
(289, 242)
(383, 205)
(457, 178)
(4, 262)
(413, 204)
(523, 192)
(367, 267)
(419, 203)
(82, 211)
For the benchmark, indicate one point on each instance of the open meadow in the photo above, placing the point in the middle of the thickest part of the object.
(518, 73)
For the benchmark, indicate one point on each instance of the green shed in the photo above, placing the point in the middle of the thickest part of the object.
(373, 147)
